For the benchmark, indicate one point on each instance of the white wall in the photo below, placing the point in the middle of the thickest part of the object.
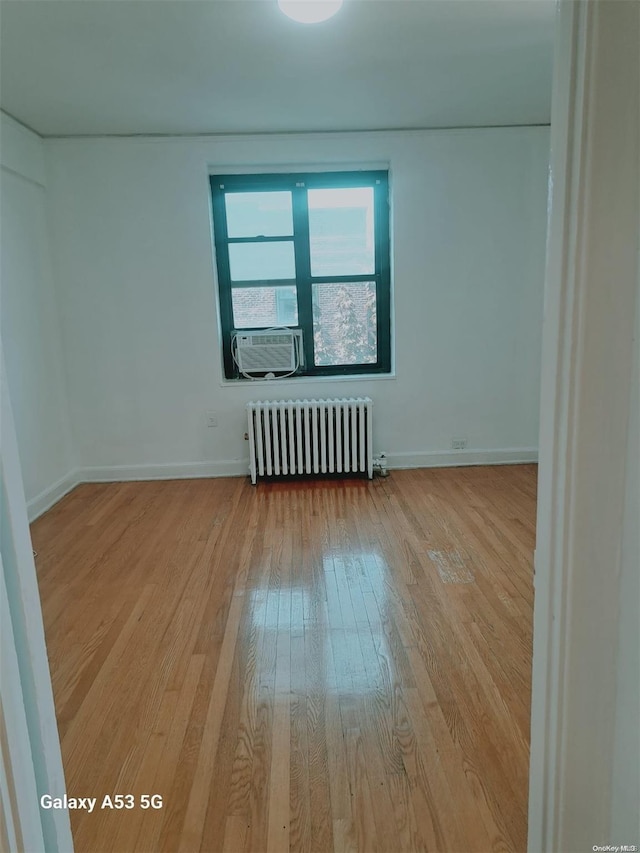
(29, 318)
(131, 227)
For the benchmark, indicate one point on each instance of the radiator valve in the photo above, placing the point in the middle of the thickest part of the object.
(380, 465)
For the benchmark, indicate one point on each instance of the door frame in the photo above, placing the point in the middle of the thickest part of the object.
(31, 760)
(591, 289)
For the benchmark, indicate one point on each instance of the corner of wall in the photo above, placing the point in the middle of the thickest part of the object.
(31, 324)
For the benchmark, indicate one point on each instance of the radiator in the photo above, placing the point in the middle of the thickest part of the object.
(310, 437)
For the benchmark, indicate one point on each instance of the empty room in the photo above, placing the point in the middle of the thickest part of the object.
(276, 278)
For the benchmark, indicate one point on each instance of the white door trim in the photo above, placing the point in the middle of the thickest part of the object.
(590, 292)
(555, 404)
(18, 790)
(33, 766)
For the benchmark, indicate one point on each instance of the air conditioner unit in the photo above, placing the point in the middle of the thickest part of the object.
(269, 351)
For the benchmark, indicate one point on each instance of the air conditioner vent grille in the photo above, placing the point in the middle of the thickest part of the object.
(268, 351)
(267, 340)
(261, 357)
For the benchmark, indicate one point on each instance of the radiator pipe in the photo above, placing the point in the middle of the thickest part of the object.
(380, 465)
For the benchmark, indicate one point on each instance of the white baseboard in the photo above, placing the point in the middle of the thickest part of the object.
(458, 458)
(51, 495)
(240, 468)
(169, 471)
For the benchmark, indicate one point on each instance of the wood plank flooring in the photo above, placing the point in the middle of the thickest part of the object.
(304, 666)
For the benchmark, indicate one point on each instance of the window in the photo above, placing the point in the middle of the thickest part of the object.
(310, 252)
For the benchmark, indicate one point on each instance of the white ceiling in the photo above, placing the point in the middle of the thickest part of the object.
(74, 67)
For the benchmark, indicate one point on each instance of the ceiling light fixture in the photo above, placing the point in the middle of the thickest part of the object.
(309, 11)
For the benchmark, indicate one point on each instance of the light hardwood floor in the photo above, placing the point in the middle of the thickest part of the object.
(321, 666)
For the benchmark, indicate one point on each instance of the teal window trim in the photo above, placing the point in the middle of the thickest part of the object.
(298, 184)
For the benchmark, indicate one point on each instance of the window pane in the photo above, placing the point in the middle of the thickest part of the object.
(341, 231)
(261, 261)
(260, 214)
(344, 323)
(255, 307)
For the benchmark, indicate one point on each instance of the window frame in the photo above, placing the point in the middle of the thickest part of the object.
(298, 183)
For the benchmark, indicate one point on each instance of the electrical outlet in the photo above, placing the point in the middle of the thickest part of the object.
(458, 443)
(212, 419)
